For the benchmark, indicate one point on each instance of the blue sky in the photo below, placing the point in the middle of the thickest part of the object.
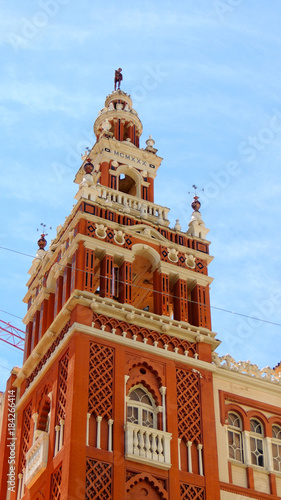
(205, 77)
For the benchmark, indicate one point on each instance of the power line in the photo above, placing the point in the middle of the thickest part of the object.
(144, 288)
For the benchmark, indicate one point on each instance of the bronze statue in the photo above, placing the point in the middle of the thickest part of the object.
(118, 78)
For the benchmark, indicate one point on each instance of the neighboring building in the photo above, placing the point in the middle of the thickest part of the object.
(121, 394)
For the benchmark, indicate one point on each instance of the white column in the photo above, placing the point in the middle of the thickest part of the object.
(125, 401)
(163, 394)
(179, 452)
(34, 418)
(200, 460)
(110, 424)
(61, 433)
(19, 495)
(247, 450)
(57, 429)
(87, 428)
(189, 458)
(269, 456)
(98, 419)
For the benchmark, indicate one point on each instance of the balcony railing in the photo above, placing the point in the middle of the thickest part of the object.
(128, 203)
(146, 445)
(36, 458)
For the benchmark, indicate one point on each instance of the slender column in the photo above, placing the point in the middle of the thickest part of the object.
(58, 295)
(200, 460)
(89, 275)
(87, 428)
(57, 430)
(161, 293)
(179, 452)
(98, 419)
(35, 419)
(66, 283)
(189, 457)
(125, 391)
(163, 391)
(200, 306)
(19, 495)
(125, 283)
(110, 424)
(28, 340)
(51, 306)
(80, 261)
(61, 434)
(180, 300)
(106, 277)
(104, 170)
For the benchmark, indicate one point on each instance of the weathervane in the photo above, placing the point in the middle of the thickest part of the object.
(195, 190)
(118, 78)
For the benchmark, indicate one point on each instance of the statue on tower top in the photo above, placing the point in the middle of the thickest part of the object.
(118, 78)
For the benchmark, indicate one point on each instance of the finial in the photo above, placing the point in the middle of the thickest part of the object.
(118, 78)
(88, 167)
(42, 242)
(195, 202)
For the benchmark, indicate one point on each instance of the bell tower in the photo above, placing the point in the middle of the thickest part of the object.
(115, 396)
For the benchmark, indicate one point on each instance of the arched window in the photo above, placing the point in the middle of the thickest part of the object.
(235, 447)
(276, 447)
(256, 443)
(141, 409)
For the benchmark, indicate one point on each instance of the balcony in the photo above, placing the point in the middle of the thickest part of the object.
(36, 458)
(148, 446)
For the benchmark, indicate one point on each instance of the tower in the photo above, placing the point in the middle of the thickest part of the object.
(115, 396)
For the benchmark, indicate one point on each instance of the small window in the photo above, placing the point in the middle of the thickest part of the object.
(276, 447)
(256, 443)
(235, 448)
(141, 409)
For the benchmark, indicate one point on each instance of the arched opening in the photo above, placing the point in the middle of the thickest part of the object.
(127, 184)
(141, 408)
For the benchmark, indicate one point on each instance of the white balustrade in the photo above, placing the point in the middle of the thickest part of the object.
(108, 196)
(37, 457)
(147, 445)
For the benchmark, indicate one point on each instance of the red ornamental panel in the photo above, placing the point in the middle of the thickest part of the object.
(180, 300)
(56, 485)
(101, 380)
(62, 388)
(106, 276)
(125, 283)
(189, 492)
(89, 275)
(98, 480)
(188, 401)
(26, 426)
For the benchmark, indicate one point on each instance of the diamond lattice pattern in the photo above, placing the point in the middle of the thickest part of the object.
(56, 485)
(98, 480)
(62, 387)
(100, 380)
(189, 492)
(188, 399)
(25, 434)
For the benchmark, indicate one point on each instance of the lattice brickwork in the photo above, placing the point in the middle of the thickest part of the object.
(188, 399)
(48, 354)
(26, 426)
(189, 492)
(98, 480)
(171, 343)
(100, 380)
(62, 387)
(56, 485)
